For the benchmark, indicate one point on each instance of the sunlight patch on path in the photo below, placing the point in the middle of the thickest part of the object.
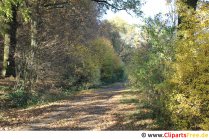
(111, 108)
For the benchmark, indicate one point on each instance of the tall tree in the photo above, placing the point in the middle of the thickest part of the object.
(9, 11)
(10, 7)
(13, 41)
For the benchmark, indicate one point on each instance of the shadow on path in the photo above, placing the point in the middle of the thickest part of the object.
(102, 109)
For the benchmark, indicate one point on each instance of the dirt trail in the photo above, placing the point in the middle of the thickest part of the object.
(101, 109)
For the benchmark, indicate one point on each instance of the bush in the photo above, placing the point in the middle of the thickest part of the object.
(110, 65)
(188, 97)
(18, 98)
(82, 71)
(147, 69)
(184, 91)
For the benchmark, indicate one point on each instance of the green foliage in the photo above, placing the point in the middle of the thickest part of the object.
(147, 65)
(83, 71)
(176, 76)
(127, 40)
(188, 93)
(176, 79)
(148, 68)
(128, 5)
(111, 68)
(18, 98)
(93, 64)
(130, 101)
(6, 9)
(48, 51)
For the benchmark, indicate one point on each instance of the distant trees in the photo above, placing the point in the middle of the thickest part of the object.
(92, 64)
(110, 64)
(124, 37)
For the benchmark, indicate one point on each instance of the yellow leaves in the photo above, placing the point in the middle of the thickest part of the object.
(107, 59)
(205, 125)
(188, 97)
(94, 61)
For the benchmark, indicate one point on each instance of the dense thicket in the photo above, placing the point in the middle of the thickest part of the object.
(188, 94)
(149, 68)
(172, 68)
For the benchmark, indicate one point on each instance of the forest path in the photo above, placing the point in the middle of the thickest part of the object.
(109, 108)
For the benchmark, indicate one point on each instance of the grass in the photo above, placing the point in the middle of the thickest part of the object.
(10, 98)
(5, 88)
(130, 101)
(145, 111)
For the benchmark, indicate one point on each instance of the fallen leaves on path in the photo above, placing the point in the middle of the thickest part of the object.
(102, 109)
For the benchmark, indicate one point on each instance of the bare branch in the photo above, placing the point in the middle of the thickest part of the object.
(108, 4)
(56, 5)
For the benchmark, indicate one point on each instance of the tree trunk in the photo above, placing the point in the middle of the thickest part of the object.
(34, 32)
(31, 76)
(13, 42)
(1, 53)
(10, 42)
(31, 56)
(6, 53)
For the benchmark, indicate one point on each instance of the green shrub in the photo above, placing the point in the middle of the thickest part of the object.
(185, 89)
(92, 65)
(189, 98)
(82, 72)
(18, 98)
(110, 65)
(147, 69)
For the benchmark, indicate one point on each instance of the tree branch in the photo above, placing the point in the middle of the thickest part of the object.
(56, 5)
(108, 4)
